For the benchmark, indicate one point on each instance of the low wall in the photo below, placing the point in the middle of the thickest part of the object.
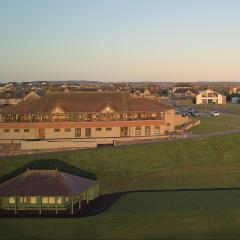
(180, 120)
(192, 124)
(41, 145)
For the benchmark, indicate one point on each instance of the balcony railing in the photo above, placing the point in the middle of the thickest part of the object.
(80, 117)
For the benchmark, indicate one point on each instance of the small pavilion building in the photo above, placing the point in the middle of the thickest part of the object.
(47, 190)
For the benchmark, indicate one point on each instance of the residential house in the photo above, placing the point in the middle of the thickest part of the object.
(210, 97)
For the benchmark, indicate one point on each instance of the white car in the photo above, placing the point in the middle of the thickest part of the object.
(215, 113)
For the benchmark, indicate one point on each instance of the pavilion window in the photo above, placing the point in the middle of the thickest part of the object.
(57, 130)
(44, 200)
(109, 129)
(6, 130)
(12, 200)
(33, 200)
(16, 130)
(23, 199)
(98, 129)
(59, 200)
(51, 200)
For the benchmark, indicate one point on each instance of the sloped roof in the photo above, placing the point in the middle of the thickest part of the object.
(14, 94)
(86, 102)
(185, 90)
(45, 183)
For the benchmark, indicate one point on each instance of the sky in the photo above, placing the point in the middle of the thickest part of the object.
(120, 40)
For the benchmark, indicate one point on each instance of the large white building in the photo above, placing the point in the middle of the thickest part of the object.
(210, 97)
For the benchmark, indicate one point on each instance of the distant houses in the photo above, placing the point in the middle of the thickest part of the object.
(183, 91)
(210, 97)
(234, 90)
(47, 190)
(14, 97)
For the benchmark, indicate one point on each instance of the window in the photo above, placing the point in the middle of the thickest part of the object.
(138, 131)
(77, 132)
(23, 199)
(59, 200)
(98, 129)
(108, 129)
(66, 199)
(12, 200)
(87, 132)
(56, 129)
(6, 130)
(26, 130)
(156, 130)
(67, 130)
(147, 130)
(33, 200)
(16, 130)
(168, 124)
(124, 131)
(51, 200)
(45, 200)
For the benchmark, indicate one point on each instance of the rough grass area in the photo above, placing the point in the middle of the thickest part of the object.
(192, 163)
(211, 124)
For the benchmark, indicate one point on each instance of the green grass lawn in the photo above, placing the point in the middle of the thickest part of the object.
(192, 163)
(231, 108)
(224, 122)
(156, 215)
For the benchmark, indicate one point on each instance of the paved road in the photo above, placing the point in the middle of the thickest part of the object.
(185, 136)
(221, 110)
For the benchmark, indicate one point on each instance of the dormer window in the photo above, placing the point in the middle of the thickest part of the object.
(58, 110)
(107, 109)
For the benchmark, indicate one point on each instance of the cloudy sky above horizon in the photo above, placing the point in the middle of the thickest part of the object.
(120, 40)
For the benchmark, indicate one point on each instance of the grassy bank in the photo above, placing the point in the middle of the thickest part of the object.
(106, 163)
(208, 163)
(211, 124)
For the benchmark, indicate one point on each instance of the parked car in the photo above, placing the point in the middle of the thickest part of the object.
(196, 114)
(215, 113)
